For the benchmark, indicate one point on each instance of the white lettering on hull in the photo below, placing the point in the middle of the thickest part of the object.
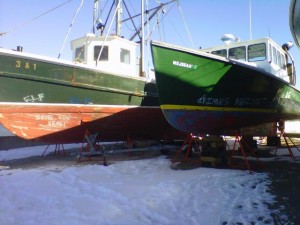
(53, 121)
(34, 98)
(240, 102)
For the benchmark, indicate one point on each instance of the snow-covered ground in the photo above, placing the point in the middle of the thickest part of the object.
(138, 192)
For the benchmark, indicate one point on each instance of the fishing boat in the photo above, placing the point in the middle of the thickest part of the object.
(238, 84)
(294, 18)
(101, 92)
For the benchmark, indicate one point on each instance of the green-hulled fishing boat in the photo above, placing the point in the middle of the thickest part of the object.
(227, 87)
(102, 91)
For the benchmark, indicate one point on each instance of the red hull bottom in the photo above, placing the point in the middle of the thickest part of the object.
(67, 123)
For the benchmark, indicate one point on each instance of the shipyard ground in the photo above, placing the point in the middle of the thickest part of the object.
(284, 174)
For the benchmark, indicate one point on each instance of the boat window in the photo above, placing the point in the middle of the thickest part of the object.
(278, 57)
(125, 56)
(238, 53)
(270, 53)
(79, 54)
(282, 61)
(257, 52)
(274, 55)
(222, 52)
(104, 53)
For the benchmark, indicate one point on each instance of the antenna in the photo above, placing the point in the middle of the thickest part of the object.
(250, 19)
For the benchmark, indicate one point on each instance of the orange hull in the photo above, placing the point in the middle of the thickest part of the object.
(67, 123)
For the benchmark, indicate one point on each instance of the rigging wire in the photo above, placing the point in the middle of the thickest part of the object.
(160, 26)
(103, 8)
(34, 18)
(70, 27)
(185, 24)
(114, 16)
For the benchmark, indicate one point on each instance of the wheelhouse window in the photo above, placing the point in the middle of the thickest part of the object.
(125, 56)
(282, 63)
(274, 55)
(257, 52)
(279, 59)
(79, 54)
(238, 53)
(222, 52)
(104, 53)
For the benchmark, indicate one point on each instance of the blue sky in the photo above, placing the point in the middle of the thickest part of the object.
(207, 21)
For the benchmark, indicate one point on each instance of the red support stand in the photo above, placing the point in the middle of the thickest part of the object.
(283, 134)
(189, 141)
(90, 150)
(241, 147)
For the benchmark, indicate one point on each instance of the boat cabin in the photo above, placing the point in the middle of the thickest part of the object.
(112, 53)
(262, 53)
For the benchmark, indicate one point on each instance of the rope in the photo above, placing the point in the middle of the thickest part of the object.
(34, 18)
(70, 27)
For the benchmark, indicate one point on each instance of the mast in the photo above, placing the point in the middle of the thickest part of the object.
(118, 17)
(142, 41)
(95, 17)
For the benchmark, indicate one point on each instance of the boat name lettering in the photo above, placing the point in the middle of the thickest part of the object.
(33, 98)
(288, 94)
(55, 124)
(64, 117)
(52, 117)
(249, 101)
(204, 100)
(78, 100)
(44, 117)
(25, 65)
(53, 121)
(213, 101)
(183, 64)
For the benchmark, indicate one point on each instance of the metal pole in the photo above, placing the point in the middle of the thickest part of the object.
(95, 17)
(118, 17)
(142, 40)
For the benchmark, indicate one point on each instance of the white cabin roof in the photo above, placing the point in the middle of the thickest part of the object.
(261, 53)
(112, 54)
(244, 43)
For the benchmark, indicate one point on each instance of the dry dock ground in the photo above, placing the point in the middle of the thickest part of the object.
(284, 175)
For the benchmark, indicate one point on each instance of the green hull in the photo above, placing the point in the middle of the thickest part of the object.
(201, 93)
(27, 79)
